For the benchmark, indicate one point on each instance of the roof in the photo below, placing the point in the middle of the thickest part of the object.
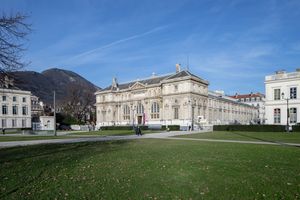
(212, 94)
(156, 80)
(241, 96)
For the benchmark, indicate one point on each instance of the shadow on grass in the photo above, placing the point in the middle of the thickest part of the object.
(31, 162)
(263, 140)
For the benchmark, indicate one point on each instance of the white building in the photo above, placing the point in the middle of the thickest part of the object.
(46, 123)
(254, 99)
(227, 110)
(15, 108)
(282, 94)
(180, 98)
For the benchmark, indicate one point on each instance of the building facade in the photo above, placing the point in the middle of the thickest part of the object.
(283, 98)
(180, 98)
(37, 108)
(254, 99)
(15, 108)
(227, 110)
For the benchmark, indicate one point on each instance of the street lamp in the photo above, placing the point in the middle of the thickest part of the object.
(192, 114)
(133, 109)
(287, 112)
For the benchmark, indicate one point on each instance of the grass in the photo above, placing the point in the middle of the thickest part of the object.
(7, 138)
(113, 132)
(248, 136)
(150, 169)
(27, 138)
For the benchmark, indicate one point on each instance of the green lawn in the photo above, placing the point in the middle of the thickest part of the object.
(248, 136)
(150, 169)
(26, 138)
(8, 138)
(113, 132)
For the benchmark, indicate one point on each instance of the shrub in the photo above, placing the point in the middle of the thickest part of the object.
(171, 127)
(250, 128)
(296, 128)
(122, 127)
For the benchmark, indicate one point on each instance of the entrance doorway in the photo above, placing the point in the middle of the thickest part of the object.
(140, 119)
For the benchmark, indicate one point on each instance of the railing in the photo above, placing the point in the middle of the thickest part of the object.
(283, 76)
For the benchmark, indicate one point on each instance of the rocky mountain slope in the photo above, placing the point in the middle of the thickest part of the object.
(43, 84)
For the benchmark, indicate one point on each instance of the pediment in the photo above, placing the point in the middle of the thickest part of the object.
(137, 85)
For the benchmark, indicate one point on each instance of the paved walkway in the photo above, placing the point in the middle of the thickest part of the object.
(163, 135)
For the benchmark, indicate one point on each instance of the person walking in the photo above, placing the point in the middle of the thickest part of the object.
(139, 131)
(3, 131)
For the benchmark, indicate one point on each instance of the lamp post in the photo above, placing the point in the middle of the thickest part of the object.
(287, 112)
(192, 114)
(54, 114)
(133, 109)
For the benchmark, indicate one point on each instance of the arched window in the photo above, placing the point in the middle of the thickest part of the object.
(126, 112)
(155, 110)
(140, 109)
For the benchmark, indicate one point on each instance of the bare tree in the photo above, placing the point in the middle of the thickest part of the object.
(13, 31)
(78, 103)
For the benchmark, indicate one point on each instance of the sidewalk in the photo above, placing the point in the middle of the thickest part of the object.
(86, 138)
(162, 135)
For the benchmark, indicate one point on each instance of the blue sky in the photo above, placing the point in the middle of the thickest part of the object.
(233, 43)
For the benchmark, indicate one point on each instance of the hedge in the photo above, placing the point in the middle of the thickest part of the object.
(296, 128)
(250, 128)
(122, 127)
(171, 127)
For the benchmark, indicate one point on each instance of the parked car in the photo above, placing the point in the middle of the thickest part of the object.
(64, 127)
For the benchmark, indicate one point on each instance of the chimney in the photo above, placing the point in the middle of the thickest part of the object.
(177, 68)
(114, 83)
(280, 71)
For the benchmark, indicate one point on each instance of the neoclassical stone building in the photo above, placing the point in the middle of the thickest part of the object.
(170, 99)
(180, 98)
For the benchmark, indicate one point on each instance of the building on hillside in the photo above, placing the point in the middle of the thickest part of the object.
(227, 110)
(253, 99)
(15, 107)
(282, 95)
(179, 98)
(37, 108)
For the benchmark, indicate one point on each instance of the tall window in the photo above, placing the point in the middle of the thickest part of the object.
(293, 93)
(4, 109)
(23, 123)
(24, 110)
(13, 123)
(277, 116)
(140, 109)
(104, 115)
(14, 99)
(3, 98)
(24, 99)
(15, 110)
(3, 123)
(293, 115)
(155, 110)
(276, 94)
(176, 114)
(126, 112)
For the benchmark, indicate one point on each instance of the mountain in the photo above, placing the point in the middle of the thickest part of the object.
(43, 84)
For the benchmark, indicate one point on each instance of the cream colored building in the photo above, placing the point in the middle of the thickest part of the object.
(228, 110)
(282, 94)
(15, 108)
(180, 98)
